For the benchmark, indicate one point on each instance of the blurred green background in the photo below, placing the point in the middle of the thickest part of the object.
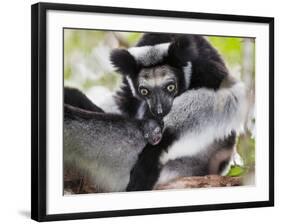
(87, 67)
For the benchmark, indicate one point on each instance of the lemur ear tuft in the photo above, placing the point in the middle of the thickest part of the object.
(124, 62)
(182, 50)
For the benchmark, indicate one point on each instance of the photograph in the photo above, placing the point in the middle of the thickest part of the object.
(157, 111)
(141, 111)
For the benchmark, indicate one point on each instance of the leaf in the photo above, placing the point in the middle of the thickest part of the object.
(236, 171)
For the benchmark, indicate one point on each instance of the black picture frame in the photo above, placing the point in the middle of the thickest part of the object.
(39, 122)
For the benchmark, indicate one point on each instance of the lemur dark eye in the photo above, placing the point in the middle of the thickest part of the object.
(171, 87)
(144, 91)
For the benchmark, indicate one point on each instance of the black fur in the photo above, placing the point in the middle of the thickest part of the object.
(150, 39)
(124, 62)
(76, 98)
(126, 102)
(76, 113)
(208, 68)
(146, 171)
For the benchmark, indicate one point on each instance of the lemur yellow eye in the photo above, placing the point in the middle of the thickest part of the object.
(171, 87)
(144, 91)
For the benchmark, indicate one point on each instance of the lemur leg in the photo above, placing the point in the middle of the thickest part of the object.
(105, 146)
(76, 98)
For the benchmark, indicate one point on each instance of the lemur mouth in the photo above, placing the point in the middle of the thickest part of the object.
(156, 139)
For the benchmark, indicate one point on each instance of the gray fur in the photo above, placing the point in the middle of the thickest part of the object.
(201, 117)
(195, 110)
(207, 161)
(106, 150)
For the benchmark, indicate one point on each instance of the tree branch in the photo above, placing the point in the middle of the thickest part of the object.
(200, 182)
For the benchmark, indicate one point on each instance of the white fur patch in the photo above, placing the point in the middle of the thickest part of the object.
(109, 105)
(187, 73)
(197, 139)
(149, 55)
(191, 144)
(104, 99)
(166, 175)
(131, 85)
(236, 159)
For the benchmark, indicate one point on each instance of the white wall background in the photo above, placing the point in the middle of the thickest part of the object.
(15, 109)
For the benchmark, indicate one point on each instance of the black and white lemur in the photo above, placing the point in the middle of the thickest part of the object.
(158, 70)
(106, 146)
(180, 79)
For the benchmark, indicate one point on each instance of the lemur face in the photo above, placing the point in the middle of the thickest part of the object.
(157, 73)
(158, 86)
(152, 131)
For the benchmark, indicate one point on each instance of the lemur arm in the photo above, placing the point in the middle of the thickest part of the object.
(195, 110)
(202, 116)
(196, 116)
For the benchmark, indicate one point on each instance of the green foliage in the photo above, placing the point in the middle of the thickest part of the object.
(246, 146)
(110, 81)
(236, 171)
(133, 38)
(246, 149)
(67, 72)
(229, 47)
(81, 40)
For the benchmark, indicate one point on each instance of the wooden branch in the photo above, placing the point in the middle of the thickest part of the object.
(78, 184)
(200, 182)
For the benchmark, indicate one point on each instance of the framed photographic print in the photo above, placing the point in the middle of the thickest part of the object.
(138, 111)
